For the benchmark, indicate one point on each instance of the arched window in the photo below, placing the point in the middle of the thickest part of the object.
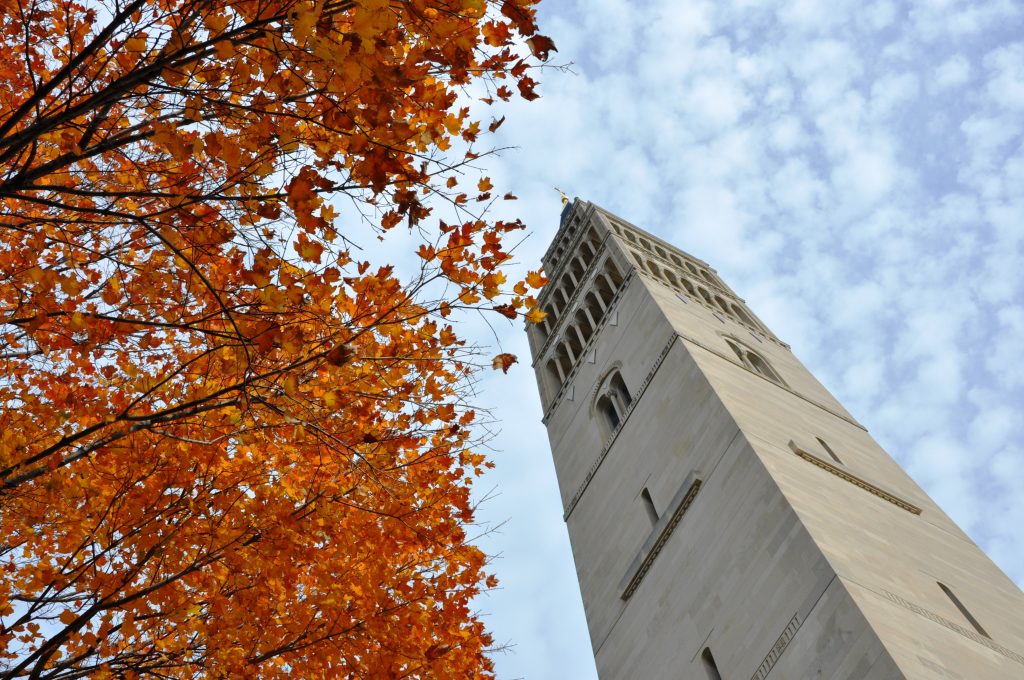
(744, 317)
(556, 377)
(613, 273)
(583, 323)
(587, 252)
(577, 270)
(753, 361)
(653, 268)
(604, 290)
(594, 306)
(564, 360)
(607, 409)
(612, 401)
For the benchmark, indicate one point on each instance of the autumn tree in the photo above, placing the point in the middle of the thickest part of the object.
(230, 444)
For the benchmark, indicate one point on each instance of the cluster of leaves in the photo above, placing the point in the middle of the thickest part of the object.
(227, 446)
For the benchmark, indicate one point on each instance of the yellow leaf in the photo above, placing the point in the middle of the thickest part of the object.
(536, 279)
(136, 43)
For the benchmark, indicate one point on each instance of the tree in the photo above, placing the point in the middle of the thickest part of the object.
(231, 447)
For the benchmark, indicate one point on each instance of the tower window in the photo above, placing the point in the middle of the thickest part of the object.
(753, 361)
(612, 402)
(710, 667)
(963, 610)
(611, 415)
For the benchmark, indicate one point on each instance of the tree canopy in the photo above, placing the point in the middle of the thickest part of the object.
(230, 445)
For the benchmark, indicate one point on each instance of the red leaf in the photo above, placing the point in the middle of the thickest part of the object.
(340, 354)
(526, 86)
(507, 311)
(541, 45)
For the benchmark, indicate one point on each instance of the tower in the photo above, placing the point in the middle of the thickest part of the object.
(728, 518)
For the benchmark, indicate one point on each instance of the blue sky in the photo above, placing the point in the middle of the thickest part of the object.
(855, 171)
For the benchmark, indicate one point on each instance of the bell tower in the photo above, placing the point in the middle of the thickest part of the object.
(729, 519)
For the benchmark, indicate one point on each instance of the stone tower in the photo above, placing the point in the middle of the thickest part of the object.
(728, 518)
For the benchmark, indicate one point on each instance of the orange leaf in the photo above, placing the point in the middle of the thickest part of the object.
(308, 250)
(536, 279)
(504, 362)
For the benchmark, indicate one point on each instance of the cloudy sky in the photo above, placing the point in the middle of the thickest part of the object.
(854, 170)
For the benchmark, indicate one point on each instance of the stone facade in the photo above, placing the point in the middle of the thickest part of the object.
(728, 517)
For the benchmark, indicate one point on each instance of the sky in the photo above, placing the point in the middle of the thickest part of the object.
(854, 170)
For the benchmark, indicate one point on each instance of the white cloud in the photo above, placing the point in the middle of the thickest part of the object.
(1006, 82)
(952, 73)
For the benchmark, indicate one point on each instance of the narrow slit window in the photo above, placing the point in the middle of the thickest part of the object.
(963, 610)
(710, 667)
(829, 451)
(652, 512)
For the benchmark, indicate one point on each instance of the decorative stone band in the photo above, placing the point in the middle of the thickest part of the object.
(659, 536)
(622, 421)
(855, 480)
(932, 616)
(777, 649)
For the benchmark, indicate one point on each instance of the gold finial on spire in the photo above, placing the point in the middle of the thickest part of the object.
(565, 199)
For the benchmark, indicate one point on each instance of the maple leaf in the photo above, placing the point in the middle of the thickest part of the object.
(535, 315)
(436, 651)
(536, 279)
(504, 362)
(507, 311)
(311, 251)
(541, 46)
(526, 85)
(340, 354)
